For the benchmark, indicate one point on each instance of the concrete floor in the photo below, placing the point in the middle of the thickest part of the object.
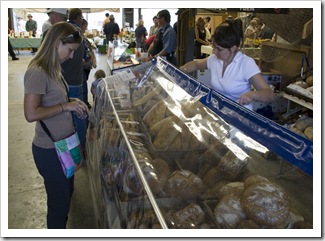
(26, 193)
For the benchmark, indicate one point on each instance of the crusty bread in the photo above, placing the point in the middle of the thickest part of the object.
(234, 188)
(184, 185)
(231, 166)
(229, 212)
(189, 217)
(254, 179)
(266, 203)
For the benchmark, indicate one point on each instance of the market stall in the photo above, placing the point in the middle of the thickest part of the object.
(166, 151)
(20, 43)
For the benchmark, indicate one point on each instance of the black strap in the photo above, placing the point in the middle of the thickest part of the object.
(46, 130)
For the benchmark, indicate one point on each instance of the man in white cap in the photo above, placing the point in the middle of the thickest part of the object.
(55, 15)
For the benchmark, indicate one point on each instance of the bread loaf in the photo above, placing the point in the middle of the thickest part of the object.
(309, 80)
(184, 185)
(231, 166)
(309, 132)
(234, 188)
(303, 123)
(189, 217)
(266, 203)
(254, 179)
(229, 212)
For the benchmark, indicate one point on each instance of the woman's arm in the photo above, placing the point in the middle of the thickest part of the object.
(262, 92)
(189, 67)
(34, 111)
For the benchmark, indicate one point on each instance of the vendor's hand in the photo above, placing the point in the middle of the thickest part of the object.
(246, 98)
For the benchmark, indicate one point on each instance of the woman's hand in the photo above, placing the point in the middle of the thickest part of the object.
(76, 105)
(247, 98)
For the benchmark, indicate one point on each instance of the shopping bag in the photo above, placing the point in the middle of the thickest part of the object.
(69, 151)
(70, 154)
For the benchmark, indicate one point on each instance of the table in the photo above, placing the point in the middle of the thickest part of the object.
(25, 42)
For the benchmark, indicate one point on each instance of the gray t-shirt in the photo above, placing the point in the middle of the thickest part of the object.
(53, 92)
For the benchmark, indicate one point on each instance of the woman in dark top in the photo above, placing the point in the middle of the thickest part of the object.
(200, 38)
(140, 34)
(111, 29)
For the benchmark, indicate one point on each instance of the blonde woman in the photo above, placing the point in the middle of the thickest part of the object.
(46, 99)
(140, 34)
(200, 38)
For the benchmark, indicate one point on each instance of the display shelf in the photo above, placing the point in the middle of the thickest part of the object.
(297, 100)
(164, 142)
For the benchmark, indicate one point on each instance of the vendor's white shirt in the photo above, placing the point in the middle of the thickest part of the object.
(235, 80)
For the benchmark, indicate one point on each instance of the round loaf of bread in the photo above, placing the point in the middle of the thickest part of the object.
(303, 123)
(184, 185)
(254, 179)
(266, 203)
(234, 188)
(229, 212)
(189, 217)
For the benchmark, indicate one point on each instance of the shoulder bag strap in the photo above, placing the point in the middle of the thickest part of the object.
(46, 130)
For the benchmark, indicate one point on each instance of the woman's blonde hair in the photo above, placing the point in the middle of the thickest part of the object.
(140, 23)
(200, 22)
(47, 56)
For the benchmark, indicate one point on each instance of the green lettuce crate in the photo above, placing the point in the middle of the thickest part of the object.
(102, 49)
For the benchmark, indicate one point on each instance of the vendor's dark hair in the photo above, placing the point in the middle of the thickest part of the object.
(229, 33)
(208, 18)
(107, 14)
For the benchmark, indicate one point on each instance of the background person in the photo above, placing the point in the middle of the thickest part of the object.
(200, 38)
(232, 72)
(31, 26)
(251, 30)
(140, 34)
(263, 31)
(153, 29)
(207, 23)
(46, 99)
(72, 71)
(106, 20)
(89, 61)
(164, 43)
(111, 28)
(56, 15)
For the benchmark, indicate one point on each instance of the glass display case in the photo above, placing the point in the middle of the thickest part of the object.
(164, 151)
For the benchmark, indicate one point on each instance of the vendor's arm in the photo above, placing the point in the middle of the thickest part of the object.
(262, 92)
(189, 67)
(34, 111)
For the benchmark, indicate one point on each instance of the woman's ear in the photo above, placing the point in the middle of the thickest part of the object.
(234, 48)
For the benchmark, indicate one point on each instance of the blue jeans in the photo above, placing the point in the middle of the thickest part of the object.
(76, 91)
(59, 189)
